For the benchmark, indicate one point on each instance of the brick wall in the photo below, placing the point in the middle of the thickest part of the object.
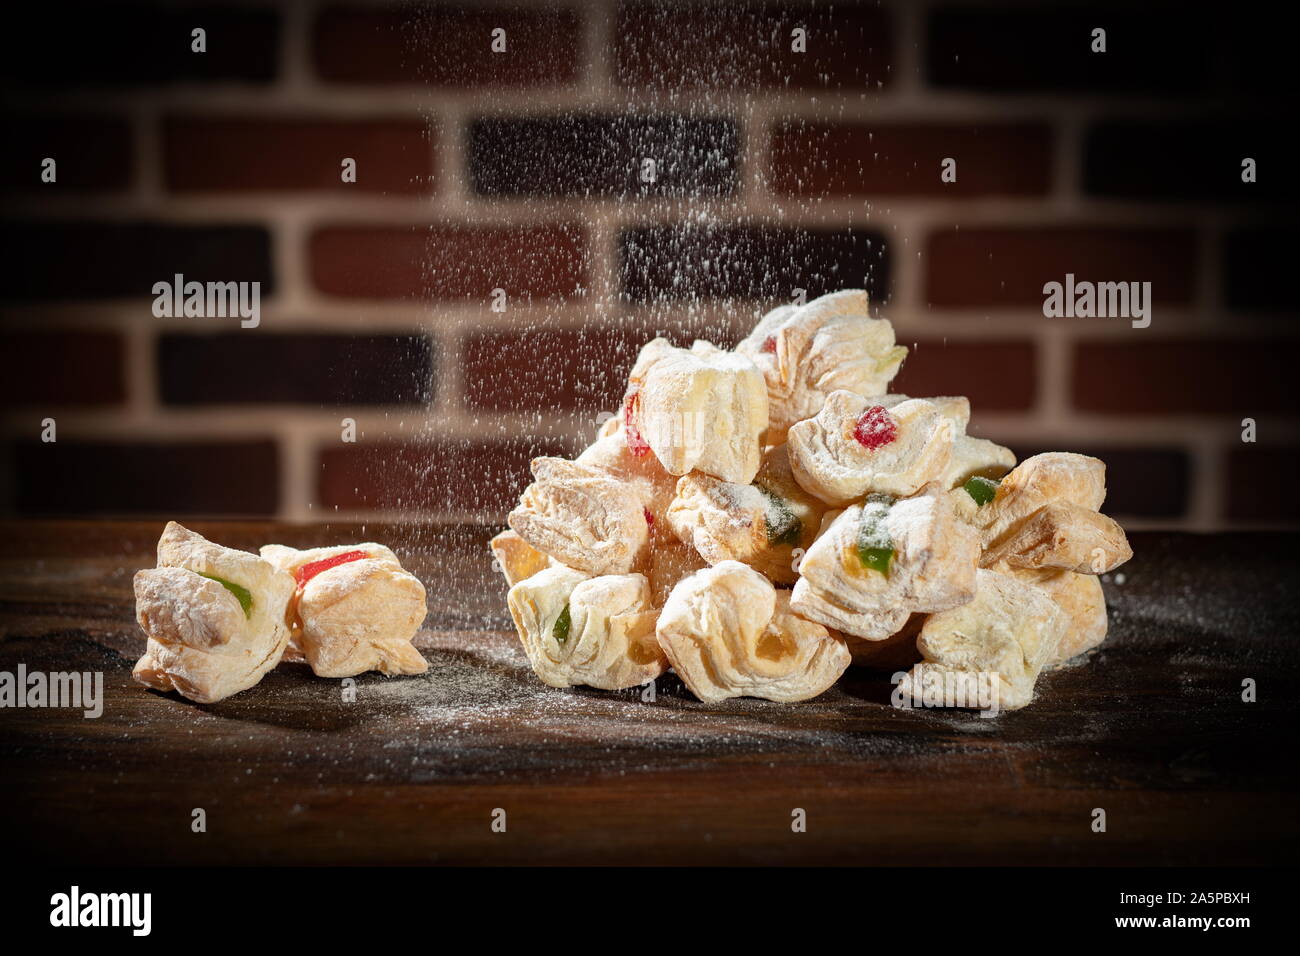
(521, 171)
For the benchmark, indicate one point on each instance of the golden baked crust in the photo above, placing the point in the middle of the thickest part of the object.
(202, 643)
(729, 633)
(700, 409)
(1010, 630)
(594, 631)
(833, 466)
(933, 568)
(759, 524)
(581, 516)
(357, 616)
(515, 557)
(807, 352)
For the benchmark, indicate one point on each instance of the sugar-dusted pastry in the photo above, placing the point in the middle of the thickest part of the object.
(976, 457)
(729, 633)
(1056, 476)
(855, 446)
(581, 516)
(807, 352)
(876, 563)
(214, 617)
(515, 557)
(697, 409)
(1081, 598)
(354, 609)
(1061, 536)
(598, 631)
(1009, 632)
(759, 524)
(642, 474)
(970, 456)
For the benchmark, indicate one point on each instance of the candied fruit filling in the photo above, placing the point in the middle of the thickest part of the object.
(876, 428)
(783, 525)
(981, 489)
(874, 548)
(309, 571)
(637, 445)
(240, 592)
(560, 630)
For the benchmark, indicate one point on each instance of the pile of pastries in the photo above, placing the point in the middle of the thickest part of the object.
(762, 518)
(218, 620)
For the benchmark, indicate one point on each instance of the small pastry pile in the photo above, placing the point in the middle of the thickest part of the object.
(760, 519)
(218, 619)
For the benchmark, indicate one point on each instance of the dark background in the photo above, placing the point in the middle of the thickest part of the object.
(518, 171)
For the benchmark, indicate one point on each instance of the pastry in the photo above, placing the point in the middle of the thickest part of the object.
(354, 609)
(729, 633)
(1005, 636)
(912, 546)
(594, 631)
(516, 558)
(214, 617)
(581, 516)
(855, 446)
(1081, 598)
(879, 562)
(760, 524)
(1061, 536)
(807, 352)
(697, 409)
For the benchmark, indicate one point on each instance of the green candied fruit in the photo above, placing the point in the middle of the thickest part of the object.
(783, 525)
(981, 489)
(875, 547)
(562, 624)
(876, 559)
(241, 594)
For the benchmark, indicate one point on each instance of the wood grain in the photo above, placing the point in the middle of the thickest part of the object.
(1152, 729)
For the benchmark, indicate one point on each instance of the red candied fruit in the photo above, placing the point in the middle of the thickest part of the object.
(769, 344)
(876, 428)
(309, 571)
(635, 443)
(649, 518)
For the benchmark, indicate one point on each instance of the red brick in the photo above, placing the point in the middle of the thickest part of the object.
(716, 47)
(482, 477)
(1261, 484)
(91, 154)
(764, 263)
(969, 268)
(600, 154)
(450, 262)
(220, 154)
(62, 368)
(447, 46)
(1144, 376)
(995, 375)
(168, 479)
(548, 368)
(828, 159)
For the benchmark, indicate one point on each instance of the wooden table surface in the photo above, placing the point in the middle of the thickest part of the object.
(1152, 729)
